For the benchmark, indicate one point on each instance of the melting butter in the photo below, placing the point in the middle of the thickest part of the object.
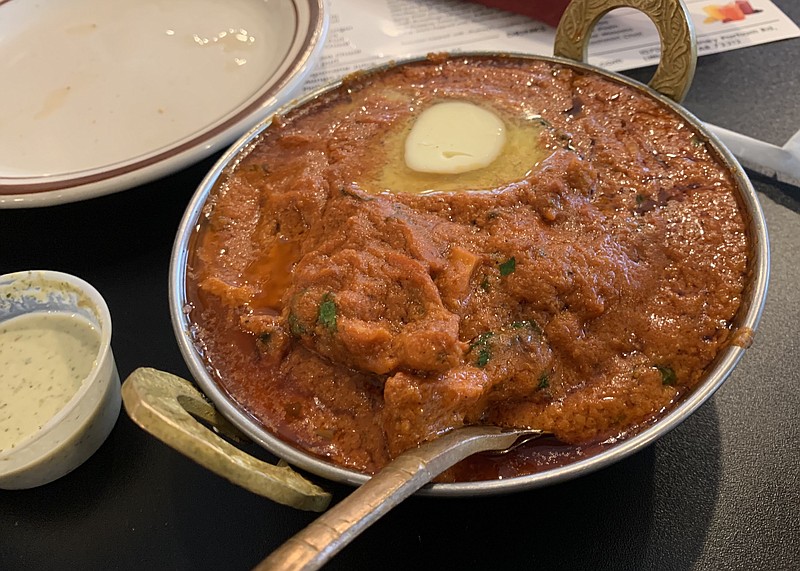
(454, 137)
(522, 151)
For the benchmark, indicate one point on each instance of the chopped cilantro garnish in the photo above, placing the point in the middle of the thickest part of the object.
(327, 312)
(481, 344)
(544, 381)
(481, 339)
(296, 327)
(668, 376)
(508, 266)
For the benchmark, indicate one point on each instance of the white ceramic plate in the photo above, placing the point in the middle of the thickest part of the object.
(102, 95)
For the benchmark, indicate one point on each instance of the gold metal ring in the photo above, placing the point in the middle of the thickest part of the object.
(671, 17)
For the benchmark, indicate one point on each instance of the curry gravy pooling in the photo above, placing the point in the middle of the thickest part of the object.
(582, 288)
(44, 358)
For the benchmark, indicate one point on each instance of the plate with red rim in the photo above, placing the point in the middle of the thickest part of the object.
(102, 96)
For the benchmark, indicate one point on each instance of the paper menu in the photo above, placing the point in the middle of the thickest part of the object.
(365, 32)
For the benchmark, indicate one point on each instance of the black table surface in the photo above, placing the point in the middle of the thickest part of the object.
(721, 491)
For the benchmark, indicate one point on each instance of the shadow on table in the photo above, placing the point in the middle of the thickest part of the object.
(649, 511)
(786, 195)
(82, 236)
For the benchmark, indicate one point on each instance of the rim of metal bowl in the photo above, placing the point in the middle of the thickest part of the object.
(747, 318)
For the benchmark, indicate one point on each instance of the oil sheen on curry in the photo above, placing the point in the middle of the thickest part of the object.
(461, 241)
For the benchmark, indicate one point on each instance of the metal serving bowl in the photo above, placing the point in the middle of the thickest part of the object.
(669, 84)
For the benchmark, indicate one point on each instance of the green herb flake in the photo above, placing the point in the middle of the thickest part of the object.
(482, 339)
(481, 344)
(485, 285)
(327, 312)
(640, 198)
(265, 337)
(508, 266)
(668, 376)
(296, 327)
(544, 381)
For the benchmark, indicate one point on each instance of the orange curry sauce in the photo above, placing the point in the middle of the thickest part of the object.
(581, 293)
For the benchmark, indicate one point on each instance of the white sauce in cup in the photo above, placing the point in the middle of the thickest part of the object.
(44, 358)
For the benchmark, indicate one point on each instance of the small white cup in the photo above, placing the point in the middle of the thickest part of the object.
(78, 429)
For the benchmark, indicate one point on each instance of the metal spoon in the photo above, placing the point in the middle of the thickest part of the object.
(313, 546)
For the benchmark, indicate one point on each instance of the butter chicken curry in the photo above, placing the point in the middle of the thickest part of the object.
(467, 240)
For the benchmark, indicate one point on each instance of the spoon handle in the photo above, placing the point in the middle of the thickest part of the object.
(313, 546)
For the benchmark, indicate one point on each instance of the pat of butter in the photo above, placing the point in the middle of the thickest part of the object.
(454, 137)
